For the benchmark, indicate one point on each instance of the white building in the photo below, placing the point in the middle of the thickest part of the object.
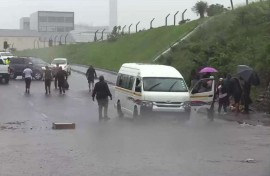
(50, 21)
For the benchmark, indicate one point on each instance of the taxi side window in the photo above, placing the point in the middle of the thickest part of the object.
(203, 86)
(125, 81)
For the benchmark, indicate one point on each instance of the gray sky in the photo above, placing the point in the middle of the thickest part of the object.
(95, 12)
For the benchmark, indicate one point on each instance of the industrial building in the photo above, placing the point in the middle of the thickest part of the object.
(50, 21)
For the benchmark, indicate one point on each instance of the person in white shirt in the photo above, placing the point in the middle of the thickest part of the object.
(28, 78)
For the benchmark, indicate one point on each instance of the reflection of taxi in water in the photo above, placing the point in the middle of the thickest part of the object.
(203, 96)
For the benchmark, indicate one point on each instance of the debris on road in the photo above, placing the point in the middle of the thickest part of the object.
(249, 160)
(63, 126)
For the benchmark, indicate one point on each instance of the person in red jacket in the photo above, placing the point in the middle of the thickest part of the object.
(102, 92)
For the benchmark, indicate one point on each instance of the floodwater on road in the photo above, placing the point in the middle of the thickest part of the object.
(153, 146)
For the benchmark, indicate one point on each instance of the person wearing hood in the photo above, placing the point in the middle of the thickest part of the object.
(101, 92)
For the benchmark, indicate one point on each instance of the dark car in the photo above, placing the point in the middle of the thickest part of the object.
(18, 64)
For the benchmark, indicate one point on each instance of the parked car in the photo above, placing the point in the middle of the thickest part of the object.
(18, 64)
(145, 88)
(4, 72)
(63, 62)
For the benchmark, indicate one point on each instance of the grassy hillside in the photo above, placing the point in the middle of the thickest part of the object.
(237, 37)
(139, 47)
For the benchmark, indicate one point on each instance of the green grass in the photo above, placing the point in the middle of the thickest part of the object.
(236, 37)
(140, 47)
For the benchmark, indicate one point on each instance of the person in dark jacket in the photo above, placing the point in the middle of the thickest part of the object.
(48, 79)
(91, 75)
(61, 77)
(102, 92)
(55, 71)
(236, 93)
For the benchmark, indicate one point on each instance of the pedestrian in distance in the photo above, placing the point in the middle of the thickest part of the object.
(91, 75)
(55, 71)
(61, 78)
(48, 78)
(27, 72)
(102, 92)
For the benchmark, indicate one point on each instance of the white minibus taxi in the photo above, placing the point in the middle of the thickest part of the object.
(147, 88)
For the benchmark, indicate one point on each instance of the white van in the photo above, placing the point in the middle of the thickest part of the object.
(144, 88)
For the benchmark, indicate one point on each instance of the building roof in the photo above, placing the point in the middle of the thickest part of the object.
(18, 33)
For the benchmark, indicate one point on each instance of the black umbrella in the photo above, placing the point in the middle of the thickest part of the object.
(248, 74)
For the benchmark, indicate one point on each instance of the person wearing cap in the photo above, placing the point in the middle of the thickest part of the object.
(101, 92)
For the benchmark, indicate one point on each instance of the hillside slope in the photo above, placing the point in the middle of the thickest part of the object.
(236, 37)
(139, 47)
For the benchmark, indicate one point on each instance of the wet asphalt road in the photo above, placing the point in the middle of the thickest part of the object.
(151, 147)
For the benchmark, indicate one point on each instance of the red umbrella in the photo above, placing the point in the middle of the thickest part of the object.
(208, 70)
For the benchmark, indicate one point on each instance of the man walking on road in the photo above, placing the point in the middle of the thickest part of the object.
(48, 79)
(28, 78)
(61, 78)
(102, 92)
(55, 71)
(91, 75)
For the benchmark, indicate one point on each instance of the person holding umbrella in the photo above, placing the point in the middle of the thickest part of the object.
(250, 77)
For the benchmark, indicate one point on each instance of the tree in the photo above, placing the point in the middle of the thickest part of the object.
(215, 9)
(200, 8)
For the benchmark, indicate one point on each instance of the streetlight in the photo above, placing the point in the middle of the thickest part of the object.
(183, 15)
(166, 21)
(137, 26)
(151, 23)
(129, 28)
(175, 17)
(102, 34)
(66, 39)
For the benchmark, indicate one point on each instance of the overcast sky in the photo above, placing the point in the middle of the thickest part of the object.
(96, 12)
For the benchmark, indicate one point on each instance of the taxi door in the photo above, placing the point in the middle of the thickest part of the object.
(203, 96)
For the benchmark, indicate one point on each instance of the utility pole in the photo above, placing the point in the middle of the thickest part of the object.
(137, 26)
(166, 21)
(151, 23)
(174, 23)
(102, 34)
(123, 29)
(95, 38)
(183, 15)
(247, 2)
(129, 28)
